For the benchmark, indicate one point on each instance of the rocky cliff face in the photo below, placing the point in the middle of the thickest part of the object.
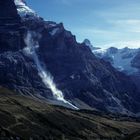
(8, 9)
(10, 32)
(80, 74)
(84, 80)
(136, 64)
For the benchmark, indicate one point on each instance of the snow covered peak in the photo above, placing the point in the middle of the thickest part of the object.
(19, 2)
(121, 59)
(23, 9)
(89, 44)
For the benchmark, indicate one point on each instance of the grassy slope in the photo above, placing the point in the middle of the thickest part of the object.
(28, 117)
(133, 136)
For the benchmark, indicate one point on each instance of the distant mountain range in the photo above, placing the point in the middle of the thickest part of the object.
(124, 59)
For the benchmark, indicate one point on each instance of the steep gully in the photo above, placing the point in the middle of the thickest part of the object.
(47, 78)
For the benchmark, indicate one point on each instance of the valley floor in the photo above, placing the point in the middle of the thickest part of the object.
(23, 117)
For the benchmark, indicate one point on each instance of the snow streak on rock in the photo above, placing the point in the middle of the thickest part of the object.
(45, 75)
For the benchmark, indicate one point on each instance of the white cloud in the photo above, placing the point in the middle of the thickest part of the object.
(67, 2)
(122, 44)
(128, 25)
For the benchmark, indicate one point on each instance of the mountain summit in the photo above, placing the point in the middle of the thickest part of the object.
(121, 59)
(23, 9)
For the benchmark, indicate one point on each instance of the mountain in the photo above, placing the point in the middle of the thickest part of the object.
(43, 60)
(53, 88)
(125, 60)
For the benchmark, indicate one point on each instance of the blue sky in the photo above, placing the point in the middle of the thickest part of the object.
(104, 22)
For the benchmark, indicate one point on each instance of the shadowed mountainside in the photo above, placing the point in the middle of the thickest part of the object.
(84, 80)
